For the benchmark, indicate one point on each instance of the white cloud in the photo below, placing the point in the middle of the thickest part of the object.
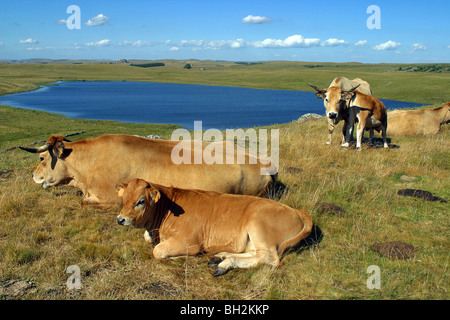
(294, 41)
(137, 44)
(334, 43)
(389, 45)
(213, 44)
(97, 21)
(256, 19)
(418, 47)
(61, 21)
(174, 49)
(29, 41)
(448, 47)
(360, 43)
(101, 43)
(35, 48)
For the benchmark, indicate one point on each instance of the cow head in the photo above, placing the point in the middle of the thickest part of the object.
(52, 169)
(447, 115)
(332, 100)
(139, 200)
(348, 95)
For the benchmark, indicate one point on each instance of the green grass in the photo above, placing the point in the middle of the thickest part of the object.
(44, 231)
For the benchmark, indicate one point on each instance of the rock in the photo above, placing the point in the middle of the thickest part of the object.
(15, 288)
(395, 250)
(406, 178)
(308, 116)
(421, 194)
(325, 207)
(153, 136)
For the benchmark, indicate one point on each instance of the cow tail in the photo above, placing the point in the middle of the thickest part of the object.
(307, 227)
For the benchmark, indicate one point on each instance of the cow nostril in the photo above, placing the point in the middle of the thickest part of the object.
(120, 221)
(332, 115)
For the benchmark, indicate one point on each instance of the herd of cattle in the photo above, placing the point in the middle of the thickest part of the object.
(352, 101)
(186, 209)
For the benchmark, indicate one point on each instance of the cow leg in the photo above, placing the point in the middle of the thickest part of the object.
(147, 237)
(360, 131)
(174, 248)
(371, 136)
(330, 130)
(348, 128)
(246, 260)
(383, 133)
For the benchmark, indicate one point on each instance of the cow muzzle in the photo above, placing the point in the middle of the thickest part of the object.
(332, 115)
(123, 221)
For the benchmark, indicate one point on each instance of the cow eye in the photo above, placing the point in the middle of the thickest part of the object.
(140, 203)
(41, 159)
(326, 99)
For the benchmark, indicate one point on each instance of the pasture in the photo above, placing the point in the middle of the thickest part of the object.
(43, 232)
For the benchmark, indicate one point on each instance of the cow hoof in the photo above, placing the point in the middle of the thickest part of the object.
(344, 145)
(214, 261)
(220, 272)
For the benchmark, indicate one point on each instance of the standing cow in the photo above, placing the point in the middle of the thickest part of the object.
(334, 105)
(368, 111)
(97, 165)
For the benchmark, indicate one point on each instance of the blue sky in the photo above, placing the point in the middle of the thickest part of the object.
(246, 30)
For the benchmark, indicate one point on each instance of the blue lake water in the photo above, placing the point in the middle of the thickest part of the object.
(147, 102)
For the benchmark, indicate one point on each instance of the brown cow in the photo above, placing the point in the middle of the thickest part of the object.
(242, 231)
(369, 112)
(418, 122)
(97, 165)
(334, 105)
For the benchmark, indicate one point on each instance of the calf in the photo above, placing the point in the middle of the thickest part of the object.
(242, 231)
(369, 112)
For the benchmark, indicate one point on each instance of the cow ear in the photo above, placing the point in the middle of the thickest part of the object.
(320, 94)
(120, 188)
(156, 195)
(60, 150)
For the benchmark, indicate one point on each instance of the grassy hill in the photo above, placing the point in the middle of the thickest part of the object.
(45, 231)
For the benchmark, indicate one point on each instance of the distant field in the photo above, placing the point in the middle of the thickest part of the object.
(45, 231)
(386, 80)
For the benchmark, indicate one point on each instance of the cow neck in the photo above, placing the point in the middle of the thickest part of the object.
(165, 207)
(77, 160)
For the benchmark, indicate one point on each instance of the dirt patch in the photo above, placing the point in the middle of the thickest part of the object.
(325, 207)
(158, 289)
(293, 170)
(395, 250)
(15, 288)
(421, 194)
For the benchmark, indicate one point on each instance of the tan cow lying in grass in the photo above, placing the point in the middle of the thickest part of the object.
(369, 112)
(97, 165)
(242, 230)
(418, 122)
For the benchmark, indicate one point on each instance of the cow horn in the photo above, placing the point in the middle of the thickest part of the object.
(314, 87)
(354, 88)
(37, 150)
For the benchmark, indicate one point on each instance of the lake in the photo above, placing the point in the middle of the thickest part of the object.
(147, 102)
